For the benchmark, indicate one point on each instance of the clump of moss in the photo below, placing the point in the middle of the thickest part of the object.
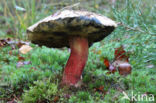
(41, 92)
(83, 95)
(80, 97)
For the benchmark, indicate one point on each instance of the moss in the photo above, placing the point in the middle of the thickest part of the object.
(42, 91)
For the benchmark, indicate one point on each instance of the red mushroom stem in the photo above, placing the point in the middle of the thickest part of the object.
(76, 62)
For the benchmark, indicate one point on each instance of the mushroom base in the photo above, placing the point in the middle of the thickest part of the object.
(76, 62)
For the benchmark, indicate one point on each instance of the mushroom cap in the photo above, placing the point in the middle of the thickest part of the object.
(55, 30)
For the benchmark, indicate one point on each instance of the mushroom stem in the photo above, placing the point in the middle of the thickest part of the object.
(76, 62)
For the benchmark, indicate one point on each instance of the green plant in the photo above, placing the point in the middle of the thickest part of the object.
(41, 92)
(81, 97)
(84, 96)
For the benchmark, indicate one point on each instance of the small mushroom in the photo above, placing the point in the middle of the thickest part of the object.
(75, 29)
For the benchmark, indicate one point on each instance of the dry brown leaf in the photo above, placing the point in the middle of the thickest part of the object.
(120, 63)
(20, 58)
(106, 62)
(4, 42)
(56, 99)
(101, 88)
(25, 49)
(121, 54)
(124, 67)
(20, 44)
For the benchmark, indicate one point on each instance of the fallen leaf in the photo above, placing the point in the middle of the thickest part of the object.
(120, 54)
(123, 67)
(25, 49)
(4, 42)
(20, 44)
(121, 62)
(106, 62)
(8, 39)
(101, 88)
(20, 58)
(56, 98)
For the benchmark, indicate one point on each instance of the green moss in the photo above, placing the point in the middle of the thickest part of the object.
(42, 91)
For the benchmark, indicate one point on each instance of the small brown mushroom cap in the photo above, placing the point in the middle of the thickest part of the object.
(55, 30)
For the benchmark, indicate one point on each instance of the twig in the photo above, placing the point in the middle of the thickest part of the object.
(70, 6)
(67, 7)
(56, 4)
(131, 28)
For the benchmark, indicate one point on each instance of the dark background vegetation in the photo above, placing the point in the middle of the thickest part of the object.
(37, 80)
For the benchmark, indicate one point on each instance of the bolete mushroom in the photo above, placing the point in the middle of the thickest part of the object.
(75, 29)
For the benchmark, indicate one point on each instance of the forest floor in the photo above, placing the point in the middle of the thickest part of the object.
(34, 77)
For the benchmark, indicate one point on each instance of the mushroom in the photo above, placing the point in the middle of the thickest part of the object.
(75, 29)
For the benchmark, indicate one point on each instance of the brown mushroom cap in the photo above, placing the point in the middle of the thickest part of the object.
(55, 30)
